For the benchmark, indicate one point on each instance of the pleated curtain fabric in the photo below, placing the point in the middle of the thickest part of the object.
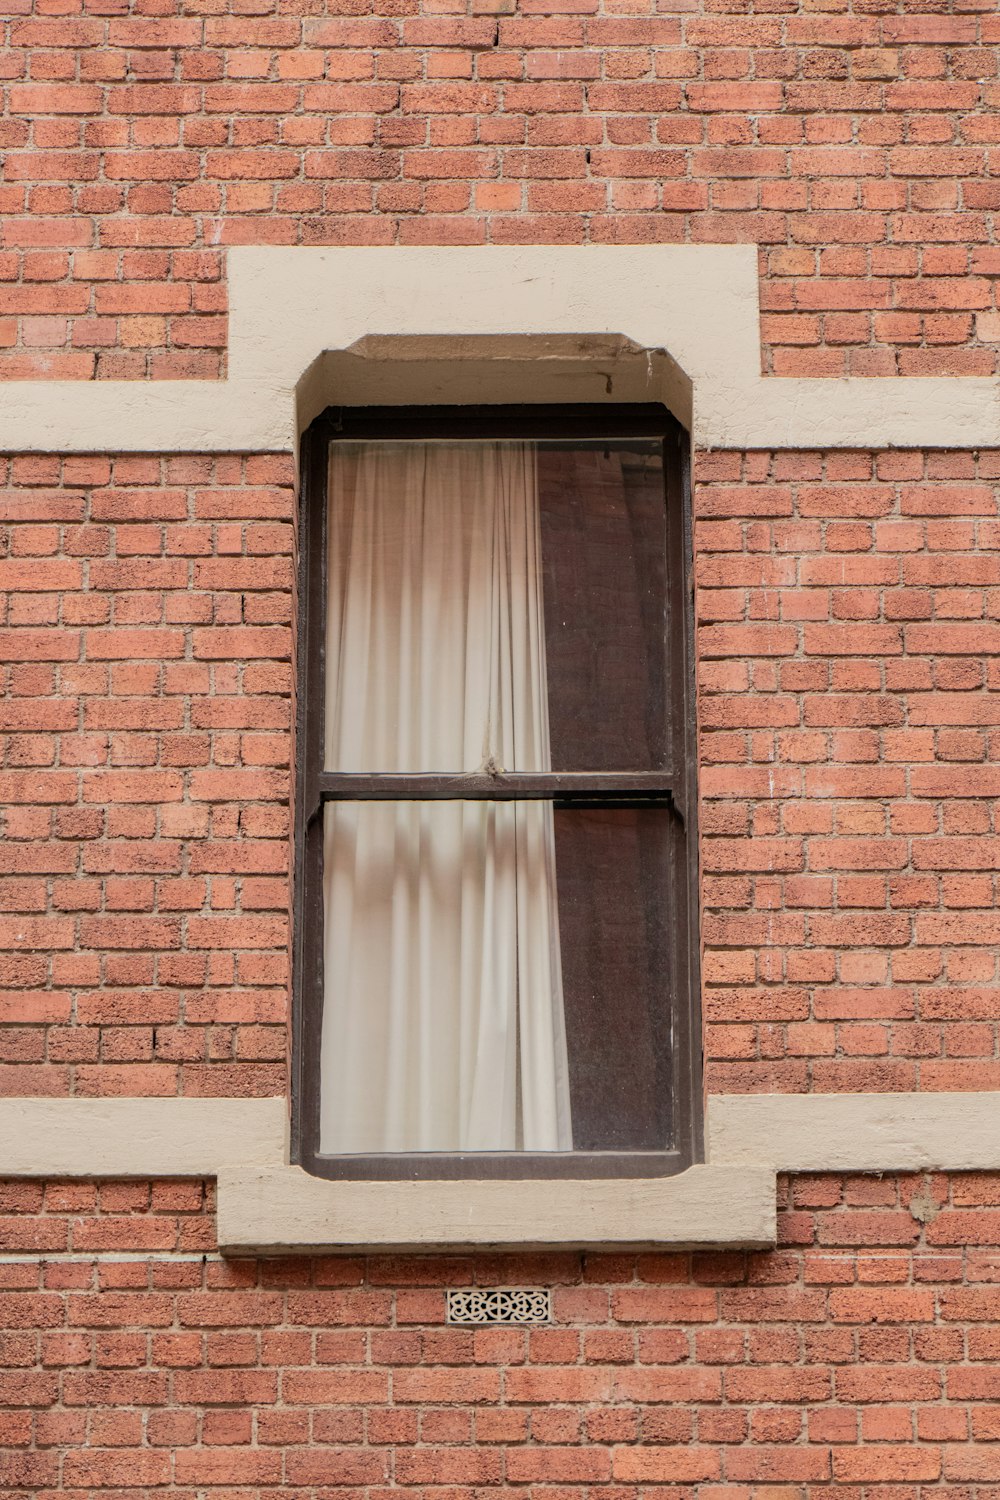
(443, 1025)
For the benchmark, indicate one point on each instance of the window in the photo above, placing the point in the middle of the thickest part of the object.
(494, 967)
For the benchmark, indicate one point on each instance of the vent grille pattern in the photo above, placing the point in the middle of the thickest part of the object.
(505, 1305)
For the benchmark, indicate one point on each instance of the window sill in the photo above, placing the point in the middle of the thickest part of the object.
(282, 1209)
(729, 1202)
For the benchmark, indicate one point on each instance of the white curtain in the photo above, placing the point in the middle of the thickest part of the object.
(443, 1024)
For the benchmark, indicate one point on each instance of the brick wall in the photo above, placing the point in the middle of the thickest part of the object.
(848, 627)
(848, 608)
(849, 621)
(856, 143)
(864, 1351)
(146, 732)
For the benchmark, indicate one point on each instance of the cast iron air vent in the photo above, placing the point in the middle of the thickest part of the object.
(500, 1305)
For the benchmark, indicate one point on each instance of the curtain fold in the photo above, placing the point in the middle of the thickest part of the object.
(443, 1026)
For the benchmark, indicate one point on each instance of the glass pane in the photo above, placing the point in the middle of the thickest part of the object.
(496, 605)
(443, 1026)
(612, 877)
(603, 524)
(435, 642)
(495, 978)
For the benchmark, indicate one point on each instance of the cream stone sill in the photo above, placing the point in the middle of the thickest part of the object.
(264, 1204)
(283, 1208)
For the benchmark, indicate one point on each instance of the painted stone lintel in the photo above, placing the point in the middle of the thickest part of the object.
(693, 311)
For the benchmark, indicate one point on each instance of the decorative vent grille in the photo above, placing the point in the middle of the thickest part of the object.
(507, 1305)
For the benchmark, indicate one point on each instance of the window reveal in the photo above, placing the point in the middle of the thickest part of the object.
(494, 824)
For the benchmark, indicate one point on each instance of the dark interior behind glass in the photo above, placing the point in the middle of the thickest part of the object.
(603, 525)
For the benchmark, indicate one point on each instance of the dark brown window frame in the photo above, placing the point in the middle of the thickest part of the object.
(674, 786)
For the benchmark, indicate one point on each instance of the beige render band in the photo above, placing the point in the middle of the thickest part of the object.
(139, 1137)
(677, 323)
(265, 1204)
(857, 1132)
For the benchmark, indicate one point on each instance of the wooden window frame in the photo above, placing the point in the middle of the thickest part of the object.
(675, 785)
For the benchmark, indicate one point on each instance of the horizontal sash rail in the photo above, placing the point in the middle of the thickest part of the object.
(499, 786)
